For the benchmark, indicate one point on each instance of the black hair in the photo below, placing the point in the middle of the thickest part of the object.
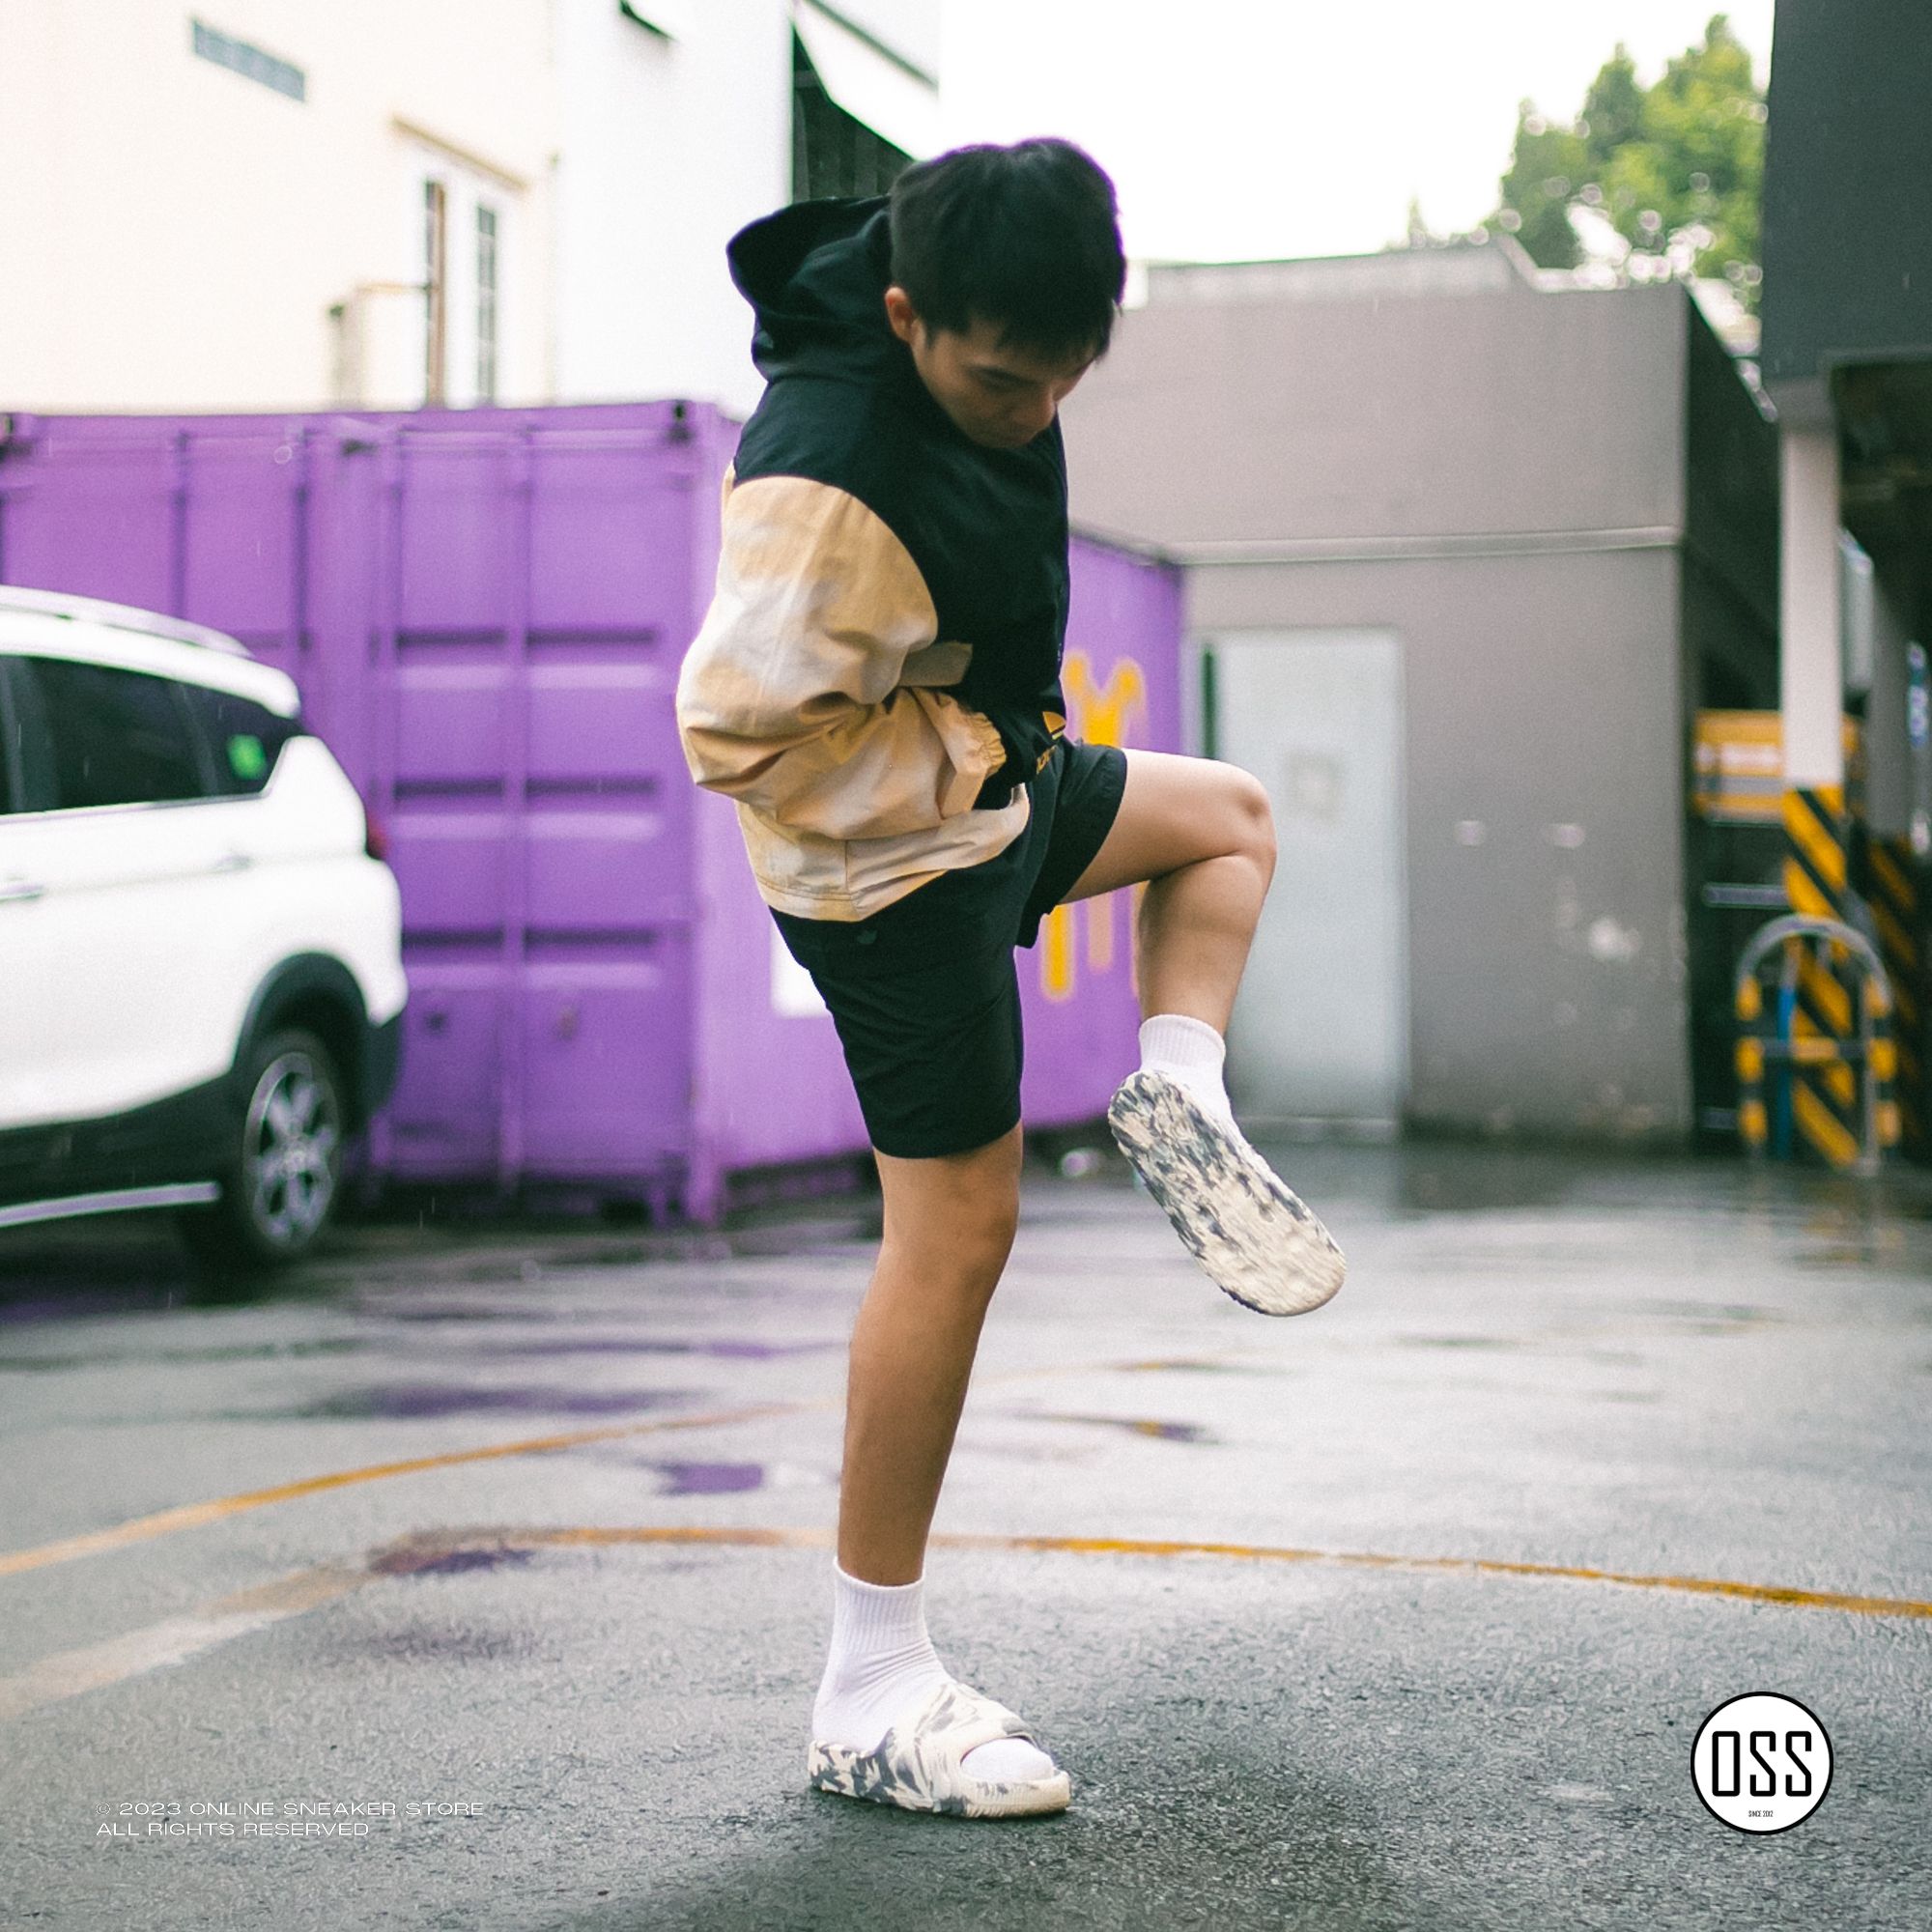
(1025, 238)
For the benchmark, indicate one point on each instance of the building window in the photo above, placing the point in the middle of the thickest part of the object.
(486, 304)
(833, 154)
(250, 61)
(435, 289)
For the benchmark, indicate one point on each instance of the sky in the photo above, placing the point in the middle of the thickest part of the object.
(1244, 129)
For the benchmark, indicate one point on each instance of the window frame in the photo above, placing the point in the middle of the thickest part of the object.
(489, 299)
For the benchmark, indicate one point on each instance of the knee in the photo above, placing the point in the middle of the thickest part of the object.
(960, 1239)
(981, 1239)
(1251, 820)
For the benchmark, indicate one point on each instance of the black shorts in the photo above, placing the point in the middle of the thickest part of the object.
(924, 994)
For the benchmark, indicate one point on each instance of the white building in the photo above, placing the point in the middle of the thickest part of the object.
(682, 121)
(265, 205)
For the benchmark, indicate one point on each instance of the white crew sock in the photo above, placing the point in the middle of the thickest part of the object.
(1191, 1054)
(882, 1664)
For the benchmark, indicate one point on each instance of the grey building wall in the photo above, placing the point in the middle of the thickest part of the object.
(1322, 405)
(1547, 963)
(1435, 444)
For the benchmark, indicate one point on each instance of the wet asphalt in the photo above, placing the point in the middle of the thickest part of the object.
(1398, 1614)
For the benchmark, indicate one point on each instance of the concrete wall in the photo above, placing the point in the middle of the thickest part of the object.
(1543, 802)
(1364, 400)
(1497, 473)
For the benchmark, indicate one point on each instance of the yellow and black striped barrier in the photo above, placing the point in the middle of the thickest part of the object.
(1816, 832)
(1819, 986)
(1827, 1026)
(1892, 892)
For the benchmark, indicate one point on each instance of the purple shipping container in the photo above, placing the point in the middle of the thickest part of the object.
(485, 611)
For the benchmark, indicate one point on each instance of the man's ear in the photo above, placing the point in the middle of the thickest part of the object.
(901, 313)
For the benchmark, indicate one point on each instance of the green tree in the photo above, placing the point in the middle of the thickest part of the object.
(1676, 167)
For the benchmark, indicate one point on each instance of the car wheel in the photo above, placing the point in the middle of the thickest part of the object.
(279, 1180)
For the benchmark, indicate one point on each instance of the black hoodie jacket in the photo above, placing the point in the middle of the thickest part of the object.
(892, 595)
(987, 528)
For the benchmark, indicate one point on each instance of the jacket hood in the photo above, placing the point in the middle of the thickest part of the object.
(815, 274)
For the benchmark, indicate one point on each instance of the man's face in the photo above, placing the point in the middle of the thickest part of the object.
(1000, 396)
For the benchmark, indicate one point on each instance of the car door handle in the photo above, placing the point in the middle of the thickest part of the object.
(233, 862)
(20, 889)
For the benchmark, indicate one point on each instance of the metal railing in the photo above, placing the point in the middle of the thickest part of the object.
(1853, 1071)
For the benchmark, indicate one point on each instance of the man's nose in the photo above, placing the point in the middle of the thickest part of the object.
(1039, 412)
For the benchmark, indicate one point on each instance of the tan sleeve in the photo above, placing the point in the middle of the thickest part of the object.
(811, 692)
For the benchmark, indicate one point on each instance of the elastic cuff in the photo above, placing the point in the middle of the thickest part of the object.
(1178, 1041)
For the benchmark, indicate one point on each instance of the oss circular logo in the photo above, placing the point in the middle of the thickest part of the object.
(1761, 1763)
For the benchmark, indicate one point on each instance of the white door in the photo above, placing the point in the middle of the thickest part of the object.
(1321, 1030)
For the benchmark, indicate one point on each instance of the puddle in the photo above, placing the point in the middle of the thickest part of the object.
(708, 1479)
(155, 1358)
(726, 1350)
(416, 1644)
(26, 1298)
(419, 1402)
(1135, 1425)
(1182, 1365)
(1719, 1318)
(454, 1312)
(1499, 1342)
(447, 1562)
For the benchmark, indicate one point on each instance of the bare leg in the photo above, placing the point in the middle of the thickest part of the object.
(948, 1229)
(1202, 833)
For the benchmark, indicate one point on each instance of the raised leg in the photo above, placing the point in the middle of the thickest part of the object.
(1201, 835)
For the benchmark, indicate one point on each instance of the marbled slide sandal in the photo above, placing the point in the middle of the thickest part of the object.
(918, 1763)
(1240, 1221)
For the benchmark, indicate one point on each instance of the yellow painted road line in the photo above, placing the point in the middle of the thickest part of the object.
(1759, 1593)
(432, 1545)
(194, 1516)
(175, 1639)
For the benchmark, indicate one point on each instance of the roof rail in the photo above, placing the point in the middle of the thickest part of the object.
(122, 617)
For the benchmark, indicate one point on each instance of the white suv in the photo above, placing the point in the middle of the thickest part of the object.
(201, 977)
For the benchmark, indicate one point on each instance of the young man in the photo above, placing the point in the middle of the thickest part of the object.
(876, 686)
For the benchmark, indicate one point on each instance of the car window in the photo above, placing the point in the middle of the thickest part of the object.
(12, 797)
(117, 737)
(245, 739)
(31, 744)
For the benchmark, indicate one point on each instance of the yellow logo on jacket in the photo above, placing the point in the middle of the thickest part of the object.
(1102, 713)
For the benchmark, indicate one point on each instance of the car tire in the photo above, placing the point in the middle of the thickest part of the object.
(283, 1166)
